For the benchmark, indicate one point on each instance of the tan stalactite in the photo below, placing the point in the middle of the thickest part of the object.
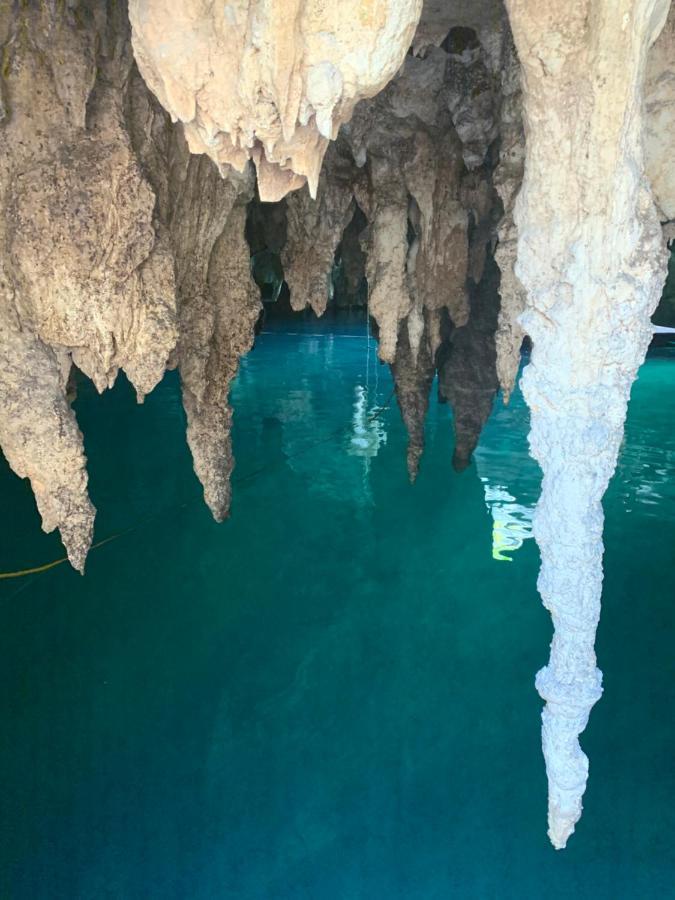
(220, 332)
(659, 132)
(414, 164)
(591, 257)
(40, 438)
(413, 375)
(268, 80)
(84, 278)
(203, 217)
(314, 229)
(508, 177)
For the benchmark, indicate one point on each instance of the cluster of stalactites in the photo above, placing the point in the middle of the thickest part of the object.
(406, 198)
(269, 82)
(405, 194)
(164, 281)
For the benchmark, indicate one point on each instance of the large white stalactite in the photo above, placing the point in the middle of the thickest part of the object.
(591, 257)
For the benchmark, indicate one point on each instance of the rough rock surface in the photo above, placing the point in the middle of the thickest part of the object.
(203, 217)
(84, 278)
(508, 177)
(659, 131)
(413, 376)
(314, 230)
(418, 245)
(118, 249)
(269, 81)
(591, 257)
(467, 372)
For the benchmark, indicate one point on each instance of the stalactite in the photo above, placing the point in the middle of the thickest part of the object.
(432, 225)
(315, 228)
(215, 333)
(467, 374)
(286, 75)
(204, 217)
(659, 130)
(349, 281)
(40, 438)
(590, 255)
(473, 95)
(413, 376)
(84, 278)
(508, 177)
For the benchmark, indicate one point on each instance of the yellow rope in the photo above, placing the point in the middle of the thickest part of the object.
(34, 570)
(57, 562)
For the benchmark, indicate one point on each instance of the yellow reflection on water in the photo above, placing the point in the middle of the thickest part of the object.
(511, 521)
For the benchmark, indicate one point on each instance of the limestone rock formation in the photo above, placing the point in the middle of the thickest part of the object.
(413, 376)
(432, 212)
(396, 194)
(268, 81)
(467, 371)
(84, 277)
(591, 257)
(203, 218)
(508, 177)
(314, 230)
(418, 246)
(659, 130)
(120, 251)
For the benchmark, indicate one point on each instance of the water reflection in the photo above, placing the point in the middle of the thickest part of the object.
(512, 521)
(368, 433)
(510, 477)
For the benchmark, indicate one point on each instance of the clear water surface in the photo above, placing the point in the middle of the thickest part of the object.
(330, 696)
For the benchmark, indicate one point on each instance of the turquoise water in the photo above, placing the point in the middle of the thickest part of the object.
(329, 696)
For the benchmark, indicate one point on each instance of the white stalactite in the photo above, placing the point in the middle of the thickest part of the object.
(269, 80)
(591, 257)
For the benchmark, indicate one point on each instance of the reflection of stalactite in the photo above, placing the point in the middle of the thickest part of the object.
(512, 522)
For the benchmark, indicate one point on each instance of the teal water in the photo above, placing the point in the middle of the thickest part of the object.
(329, 696)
